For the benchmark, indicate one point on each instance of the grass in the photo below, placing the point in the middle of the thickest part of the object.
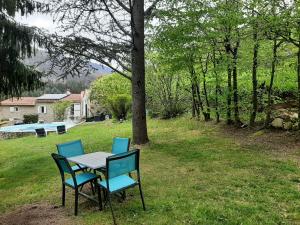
(190, 175)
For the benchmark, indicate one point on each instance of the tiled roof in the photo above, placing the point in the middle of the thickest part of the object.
(73, 98)
(27, 101)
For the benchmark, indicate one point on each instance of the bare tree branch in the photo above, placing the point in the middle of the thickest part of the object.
(148, 11)
(123, 6)
(115, 20)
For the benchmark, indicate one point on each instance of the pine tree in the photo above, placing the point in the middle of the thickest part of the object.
(16, 43)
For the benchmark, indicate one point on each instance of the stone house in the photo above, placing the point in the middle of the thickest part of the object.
(15, 108)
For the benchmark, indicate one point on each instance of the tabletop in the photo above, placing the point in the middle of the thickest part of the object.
(93, 160)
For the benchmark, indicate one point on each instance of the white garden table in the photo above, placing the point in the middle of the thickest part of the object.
(93, 160)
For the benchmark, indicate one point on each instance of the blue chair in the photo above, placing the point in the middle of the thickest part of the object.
(116, 177)
(70, 149)
(120, 145)
(75, 181)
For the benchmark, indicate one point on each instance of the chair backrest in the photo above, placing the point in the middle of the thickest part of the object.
(62, 163)
(70, 149)
(123, 163)
(61, 129)
(120, 145)
(40, 132)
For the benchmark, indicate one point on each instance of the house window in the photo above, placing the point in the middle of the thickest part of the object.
(14, 109)
(42, 109)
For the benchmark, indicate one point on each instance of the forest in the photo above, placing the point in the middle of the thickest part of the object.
(237, 61)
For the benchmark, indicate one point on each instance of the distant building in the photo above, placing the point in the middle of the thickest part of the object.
(15, 108)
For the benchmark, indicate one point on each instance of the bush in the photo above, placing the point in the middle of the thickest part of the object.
(59, 109)
(166, 97)
(120, 106)
(112, 93)
(31, 118)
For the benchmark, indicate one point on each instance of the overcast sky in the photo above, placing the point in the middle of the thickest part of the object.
(38, 20)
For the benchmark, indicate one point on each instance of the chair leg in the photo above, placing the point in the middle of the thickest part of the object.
(92, 187)
(112, 212)
(99, 196)
(124, 195)
(105, 195)
(63, 197)
(76, 201)
(142, 197)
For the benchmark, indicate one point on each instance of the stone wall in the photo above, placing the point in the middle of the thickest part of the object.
(286, 119)
(12, 135)
(48, 117)
(5, 112)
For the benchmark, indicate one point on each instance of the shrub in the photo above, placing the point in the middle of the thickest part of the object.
(30, 118)
(112, 94)
(120, 106)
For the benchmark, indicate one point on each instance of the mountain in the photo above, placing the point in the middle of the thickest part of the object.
(40, 61)
(101, 69)
(55, 85)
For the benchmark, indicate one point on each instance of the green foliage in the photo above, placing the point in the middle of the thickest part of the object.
(110, 90)
(15, 44)
(120, 105)
(59, 109)
(166, 97)
(188, 32)
(31, 118)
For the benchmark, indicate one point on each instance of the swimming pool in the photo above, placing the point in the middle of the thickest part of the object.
(33, 126)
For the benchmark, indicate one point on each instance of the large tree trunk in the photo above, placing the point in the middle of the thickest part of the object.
(197, 101)
(298, 76)
(207, 113)
(139, 124)
(229, 83)
(235, 86)
(217, 87)
(270, 90)
(254, 78)
(196, 110)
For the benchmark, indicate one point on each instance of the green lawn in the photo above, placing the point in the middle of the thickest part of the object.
(190, 175)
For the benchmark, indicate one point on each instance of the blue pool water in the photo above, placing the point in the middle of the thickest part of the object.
(33, 126)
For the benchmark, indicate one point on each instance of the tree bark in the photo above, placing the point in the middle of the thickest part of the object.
(229, 84)
(235, 86)
(254, 77)
(273, 69)
(139, 123)
(207, 113)
(217, 87)
(298, 77)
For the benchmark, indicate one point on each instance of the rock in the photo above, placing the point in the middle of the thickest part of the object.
(294, 116)
(295, 126)
(285, 116)
(277, 123)
(287, 125)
